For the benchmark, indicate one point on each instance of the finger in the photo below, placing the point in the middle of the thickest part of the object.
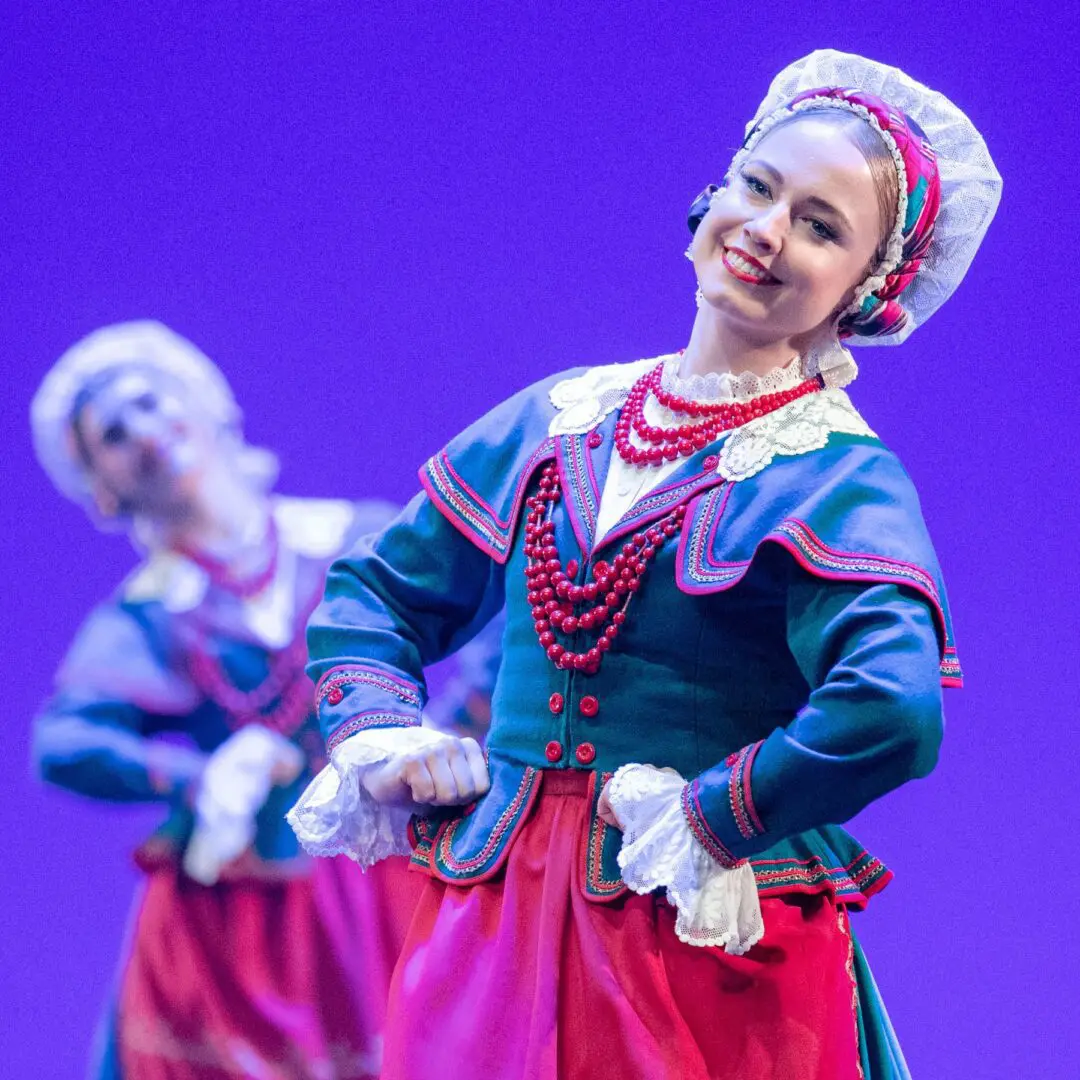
(462, 771)
(605, 812)
(477, 765)
(446, 791)
(421, 782)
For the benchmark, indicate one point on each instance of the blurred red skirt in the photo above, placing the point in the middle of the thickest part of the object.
(523, 978)
(280, 978)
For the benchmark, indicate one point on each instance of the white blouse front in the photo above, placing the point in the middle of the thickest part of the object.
(627, 484)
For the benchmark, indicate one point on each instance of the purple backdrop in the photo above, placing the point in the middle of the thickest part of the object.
(381, 218)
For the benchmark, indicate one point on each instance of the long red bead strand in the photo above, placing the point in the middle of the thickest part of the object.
(285, 683)
(559, 606)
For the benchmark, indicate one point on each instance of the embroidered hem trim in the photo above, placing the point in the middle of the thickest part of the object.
(852, 885)
(598, 887)
(449, 868)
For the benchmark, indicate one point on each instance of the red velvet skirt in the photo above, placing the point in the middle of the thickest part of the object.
(523, 978)
(274, 979)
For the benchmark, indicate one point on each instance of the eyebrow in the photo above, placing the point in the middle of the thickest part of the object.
(815, 201)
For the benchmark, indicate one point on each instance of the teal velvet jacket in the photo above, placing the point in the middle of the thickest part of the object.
(785, 655)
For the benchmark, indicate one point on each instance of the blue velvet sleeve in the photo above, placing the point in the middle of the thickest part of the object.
(99, 734)
(400, 600)
(870, 654)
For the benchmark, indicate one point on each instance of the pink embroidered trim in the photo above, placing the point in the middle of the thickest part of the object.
(467, 511)
(811, 875)
(951, 673)
(506, 820)
(855, 563)
(739, 794)
(691, 807)
(339, 677)
(596, 884)
(365, 721)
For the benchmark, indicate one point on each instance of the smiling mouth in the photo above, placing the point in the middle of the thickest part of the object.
(747, 268)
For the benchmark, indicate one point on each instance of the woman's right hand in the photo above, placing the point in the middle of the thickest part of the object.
(451, 772)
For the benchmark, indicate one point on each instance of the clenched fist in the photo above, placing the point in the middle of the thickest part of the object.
(451, 772)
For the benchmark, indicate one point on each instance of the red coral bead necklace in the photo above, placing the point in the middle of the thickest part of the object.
(561, 606)
(667, 444)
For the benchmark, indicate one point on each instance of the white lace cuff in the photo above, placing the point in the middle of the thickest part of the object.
(715, 905)
(233, 787)
(336, 816)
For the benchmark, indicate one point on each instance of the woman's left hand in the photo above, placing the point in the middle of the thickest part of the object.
(604, 810)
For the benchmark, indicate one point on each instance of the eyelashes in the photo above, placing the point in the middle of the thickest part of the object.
(819, 228)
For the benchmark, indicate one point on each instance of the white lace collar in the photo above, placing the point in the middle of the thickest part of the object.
(583, 402)
(716, 386)
(312, 528)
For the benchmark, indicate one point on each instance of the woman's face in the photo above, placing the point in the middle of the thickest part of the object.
(795, 232)
(143, 446)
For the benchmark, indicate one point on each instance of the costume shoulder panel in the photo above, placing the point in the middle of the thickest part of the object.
(846, 512)
(478, 480)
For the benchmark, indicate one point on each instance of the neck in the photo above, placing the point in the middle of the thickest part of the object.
(227, 521)
(715, 346)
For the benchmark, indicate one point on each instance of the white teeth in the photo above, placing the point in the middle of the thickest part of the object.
(745, 267)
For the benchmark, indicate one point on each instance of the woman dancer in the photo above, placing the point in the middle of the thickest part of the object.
(727, 632)
(245, 957)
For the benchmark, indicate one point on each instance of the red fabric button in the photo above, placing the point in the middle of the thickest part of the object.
(710, 463)
(731, 759)
(586, 753)
(555, 703)
(594, 439)
(589, 706)
(553, 751)
(336, 696)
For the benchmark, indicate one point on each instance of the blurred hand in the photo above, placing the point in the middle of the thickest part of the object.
(452, 772)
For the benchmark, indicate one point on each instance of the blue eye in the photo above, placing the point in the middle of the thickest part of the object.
(819, 228)
(758, 187)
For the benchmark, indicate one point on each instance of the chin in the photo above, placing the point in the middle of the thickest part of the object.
(729, 301)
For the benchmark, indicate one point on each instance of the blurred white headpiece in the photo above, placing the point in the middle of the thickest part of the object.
(146, 344)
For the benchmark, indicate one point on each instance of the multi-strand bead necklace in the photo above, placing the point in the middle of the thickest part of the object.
(559, 605)
(285, 683)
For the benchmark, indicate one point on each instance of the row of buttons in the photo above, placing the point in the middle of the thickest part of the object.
(587, 706)
(585, 752)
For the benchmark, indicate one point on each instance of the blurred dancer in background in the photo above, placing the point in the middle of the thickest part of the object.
(187, 687)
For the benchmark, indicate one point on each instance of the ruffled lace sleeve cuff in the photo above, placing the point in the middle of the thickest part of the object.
(715, 904)
(336, 816)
